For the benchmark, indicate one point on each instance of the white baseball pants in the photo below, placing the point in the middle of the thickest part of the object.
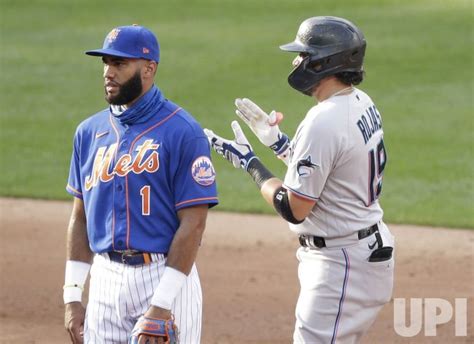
(119, 294)
(341, 291)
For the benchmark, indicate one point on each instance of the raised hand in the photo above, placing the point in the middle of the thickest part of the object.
(264, 126)
(238, 151)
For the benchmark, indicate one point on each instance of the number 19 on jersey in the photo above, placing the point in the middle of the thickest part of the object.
(377, 161)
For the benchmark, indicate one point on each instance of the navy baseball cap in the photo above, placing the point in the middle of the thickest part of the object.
(133, 41)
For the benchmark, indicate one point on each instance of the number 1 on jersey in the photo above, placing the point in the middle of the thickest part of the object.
(145, 193)
(377, 160)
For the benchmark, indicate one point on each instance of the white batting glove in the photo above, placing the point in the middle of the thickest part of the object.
(239, 151)
(264, 126)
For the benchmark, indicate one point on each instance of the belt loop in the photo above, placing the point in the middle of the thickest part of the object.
(379, 239)
(302, 240)
(147, 258)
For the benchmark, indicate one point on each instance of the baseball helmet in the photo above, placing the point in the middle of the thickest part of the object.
(328, 45)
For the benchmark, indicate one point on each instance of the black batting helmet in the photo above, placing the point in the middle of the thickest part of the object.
(329, 45)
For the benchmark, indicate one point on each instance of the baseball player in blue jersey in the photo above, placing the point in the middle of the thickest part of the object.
(142, 181)
(330, 192)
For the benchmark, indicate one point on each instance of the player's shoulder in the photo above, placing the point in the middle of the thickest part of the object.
(320, 111)
(322, 117)
(334, 111)
(361, 98)
(94, 122)
(183, 120)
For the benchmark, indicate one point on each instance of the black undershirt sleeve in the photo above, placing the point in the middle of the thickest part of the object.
(259, 173)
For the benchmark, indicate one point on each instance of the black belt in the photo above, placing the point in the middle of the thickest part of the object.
(319, 242)
(130, 258)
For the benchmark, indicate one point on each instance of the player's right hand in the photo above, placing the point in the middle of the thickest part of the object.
(264, 126)
(74, 316)
(239, 151)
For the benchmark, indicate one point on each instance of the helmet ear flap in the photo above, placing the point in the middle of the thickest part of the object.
(304, 77)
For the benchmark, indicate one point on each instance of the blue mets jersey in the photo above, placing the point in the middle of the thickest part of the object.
(136, 170)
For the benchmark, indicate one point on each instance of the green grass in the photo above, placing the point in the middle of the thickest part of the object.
(419, 68)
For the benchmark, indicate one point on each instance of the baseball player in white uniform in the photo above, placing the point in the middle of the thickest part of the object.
(330, 192)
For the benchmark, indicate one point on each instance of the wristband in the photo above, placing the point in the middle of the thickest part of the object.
(259, 173)
(285, 155)
(75, 278)
(281, 145)
(72, 294)
(170, 285)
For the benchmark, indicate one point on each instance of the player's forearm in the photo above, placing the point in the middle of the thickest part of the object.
(79, 256)
(183, 251)
(181, 257)
(290, 207)
(77, 241)
(265, 180)
(185, 245)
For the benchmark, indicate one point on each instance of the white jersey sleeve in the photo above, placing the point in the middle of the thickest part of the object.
(314, 150)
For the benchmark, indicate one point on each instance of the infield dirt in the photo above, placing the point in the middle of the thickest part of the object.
(248, 271)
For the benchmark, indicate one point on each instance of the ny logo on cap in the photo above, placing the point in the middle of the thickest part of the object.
(112, 36)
